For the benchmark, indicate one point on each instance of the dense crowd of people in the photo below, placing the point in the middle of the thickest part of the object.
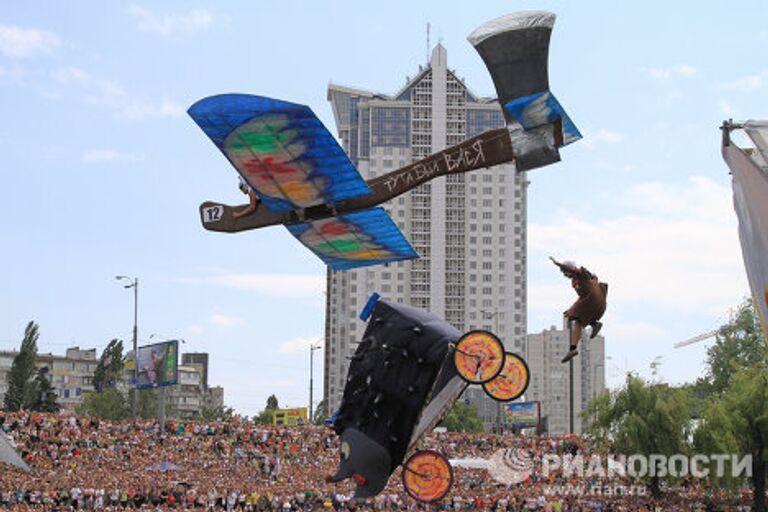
(81, 463)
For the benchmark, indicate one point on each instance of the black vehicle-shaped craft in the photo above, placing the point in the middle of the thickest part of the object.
(405, 375)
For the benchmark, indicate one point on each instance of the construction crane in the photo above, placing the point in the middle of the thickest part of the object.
(696, 339)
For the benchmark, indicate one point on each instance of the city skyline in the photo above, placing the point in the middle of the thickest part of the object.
(104, 171)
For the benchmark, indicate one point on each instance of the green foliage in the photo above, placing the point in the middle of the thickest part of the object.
(321, 412)
(736, 422)
(146, 403)
(641, 418)
(110, 404)
(463, 417)
(739, 344)
(110, 368)
(21, 386)
(734, 400)
(45, 395)
(265, 416)
(221, 412)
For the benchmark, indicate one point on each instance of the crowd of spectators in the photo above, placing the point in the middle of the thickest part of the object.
(81, 463)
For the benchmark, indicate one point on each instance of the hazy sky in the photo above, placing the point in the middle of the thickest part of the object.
(103, 171)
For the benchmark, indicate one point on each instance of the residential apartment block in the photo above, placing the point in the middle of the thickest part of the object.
(469, 229)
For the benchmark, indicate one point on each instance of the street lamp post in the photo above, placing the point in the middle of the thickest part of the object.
(312, 349)
(134, 283)
(492, 314)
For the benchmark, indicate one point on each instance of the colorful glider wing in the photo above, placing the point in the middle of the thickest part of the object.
(281, 150)
(357, 239)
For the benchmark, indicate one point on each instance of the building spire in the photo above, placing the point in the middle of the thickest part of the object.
(427, 54)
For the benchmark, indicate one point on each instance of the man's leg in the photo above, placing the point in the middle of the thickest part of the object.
(575, 328)
(596, 326)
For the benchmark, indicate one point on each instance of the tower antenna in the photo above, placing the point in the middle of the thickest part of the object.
(427, 60)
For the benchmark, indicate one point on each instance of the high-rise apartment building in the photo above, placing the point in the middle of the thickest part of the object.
(469, 229)
(550, 379)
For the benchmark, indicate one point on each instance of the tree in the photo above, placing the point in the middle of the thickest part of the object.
(44, 393)
(321, 412)
(739, 344)
(222, 412)
(147, 404)
(463, 417)
(21, 388)
(641, 418)
(734, 416)
(265, 416)
(109, 404)
(736, 422)
(110, 368)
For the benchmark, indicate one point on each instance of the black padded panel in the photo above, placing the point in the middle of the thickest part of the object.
(391, 378)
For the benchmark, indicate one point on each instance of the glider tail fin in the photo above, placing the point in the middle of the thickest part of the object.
(539, 126)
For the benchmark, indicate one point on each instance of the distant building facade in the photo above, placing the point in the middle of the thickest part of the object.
(550, 379)
(192, 394)
(72, 375)
(469, 229)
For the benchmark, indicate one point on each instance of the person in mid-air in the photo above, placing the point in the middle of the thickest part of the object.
(588, 308)
(246, 189)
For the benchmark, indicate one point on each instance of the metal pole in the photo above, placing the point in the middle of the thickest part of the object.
(311, 372)
(498, 404)
(570, 372)
(135, 347)
(161, 410)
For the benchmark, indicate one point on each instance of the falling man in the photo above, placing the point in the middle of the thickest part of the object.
(588, 308)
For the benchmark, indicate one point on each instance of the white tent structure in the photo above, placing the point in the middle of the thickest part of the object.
(8, 454)
(749, 169)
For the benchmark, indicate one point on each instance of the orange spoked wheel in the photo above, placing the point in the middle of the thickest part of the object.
(478, 356)
(511, 382)
(427, 476)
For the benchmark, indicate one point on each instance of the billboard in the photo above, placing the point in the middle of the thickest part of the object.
(297, 416)
(523, 414)
(158, 365)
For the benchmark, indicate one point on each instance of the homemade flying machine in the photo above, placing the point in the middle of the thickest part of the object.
(305, 181)
(405, 375)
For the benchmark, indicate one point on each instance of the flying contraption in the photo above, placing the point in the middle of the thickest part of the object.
(407, 372)
(304, 180)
